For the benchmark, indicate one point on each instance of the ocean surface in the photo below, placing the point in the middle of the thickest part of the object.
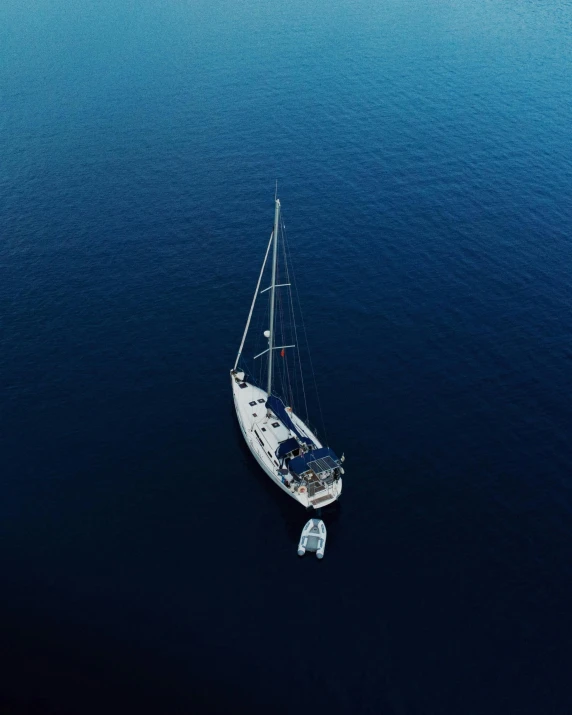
(423, 152)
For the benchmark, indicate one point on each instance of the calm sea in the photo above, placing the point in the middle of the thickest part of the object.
(423, 150)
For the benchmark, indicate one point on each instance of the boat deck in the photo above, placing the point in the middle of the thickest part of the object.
(264, 433)
(326, 497)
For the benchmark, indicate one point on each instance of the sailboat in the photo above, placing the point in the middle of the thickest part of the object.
(282, 443)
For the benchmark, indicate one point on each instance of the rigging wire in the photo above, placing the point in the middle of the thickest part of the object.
(283, 362)
(294, 382)
(295, 285)
(290, 380)
(260, 319)
(286, 382)
(289, 268)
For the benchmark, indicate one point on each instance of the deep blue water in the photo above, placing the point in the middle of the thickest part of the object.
(423, 152)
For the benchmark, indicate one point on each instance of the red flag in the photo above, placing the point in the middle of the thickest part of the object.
(282, 353)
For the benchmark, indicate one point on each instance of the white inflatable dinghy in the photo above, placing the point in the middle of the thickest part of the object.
(313, 538)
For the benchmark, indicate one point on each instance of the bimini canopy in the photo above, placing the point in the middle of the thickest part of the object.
(318, 460)
(277, 406)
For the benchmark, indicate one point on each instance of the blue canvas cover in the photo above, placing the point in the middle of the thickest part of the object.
(277, 406)
(300, 464)
(288, 446)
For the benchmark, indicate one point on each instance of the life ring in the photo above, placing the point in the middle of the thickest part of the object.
(302, 490)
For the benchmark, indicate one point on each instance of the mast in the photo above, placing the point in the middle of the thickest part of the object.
(272, 293)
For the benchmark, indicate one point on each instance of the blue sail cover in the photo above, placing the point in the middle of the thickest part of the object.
(300, 464)
(277, 406)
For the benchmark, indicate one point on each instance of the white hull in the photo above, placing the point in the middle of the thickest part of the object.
(263, 434)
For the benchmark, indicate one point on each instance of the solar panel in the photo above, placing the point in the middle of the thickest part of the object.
(323, 464)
